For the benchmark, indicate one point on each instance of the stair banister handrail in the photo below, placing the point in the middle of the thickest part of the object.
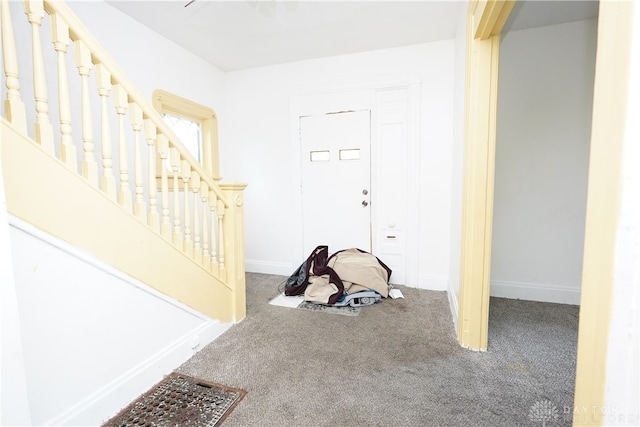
(77, 31)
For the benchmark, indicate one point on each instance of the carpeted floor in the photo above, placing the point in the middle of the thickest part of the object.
(395, 364)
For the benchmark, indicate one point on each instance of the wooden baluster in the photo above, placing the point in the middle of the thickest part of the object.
(163, 153)
(84, 64)
(150, 135)
(13, 106)
(43, 130)
(195, 187)
(140, 207)
(185, 171)
(103, 80)
(177, 229)
(204, 196)
(213, 205)
(60, 37)
(222, 273)
(120, 101)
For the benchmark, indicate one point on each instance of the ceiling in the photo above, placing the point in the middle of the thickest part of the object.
(240, 34)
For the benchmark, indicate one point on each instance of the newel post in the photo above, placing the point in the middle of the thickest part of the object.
(234, 246)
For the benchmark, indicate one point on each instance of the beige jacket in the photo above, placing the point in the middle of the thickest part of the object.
(360, 271)
(357, 271)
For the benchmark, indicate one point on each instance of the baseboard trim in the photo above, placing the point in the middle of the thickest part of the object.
(453, 305)
(536, 292)
(109, 400)
(268, 267)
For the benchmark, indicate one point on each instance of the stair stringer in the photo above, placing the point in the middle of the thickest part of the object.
(41, 191)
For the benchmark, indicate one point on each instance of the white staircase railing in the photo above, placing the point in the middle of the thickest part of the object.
(199, 217)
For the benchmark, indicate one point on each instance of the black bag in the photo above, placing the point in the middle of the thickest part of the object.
(298, 281)
(315, 265)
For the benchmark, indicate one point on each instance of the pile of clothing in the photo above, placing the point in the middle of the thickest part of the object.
(325, 279)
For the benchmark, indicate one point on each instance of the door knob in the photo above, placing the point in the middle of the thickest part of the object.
(365, 203)
(365, 192)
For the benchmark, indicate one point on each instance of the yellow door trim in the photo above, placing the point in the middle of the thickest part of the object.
(603, 206)
(485, 20)
(489, 16)
(609, 112)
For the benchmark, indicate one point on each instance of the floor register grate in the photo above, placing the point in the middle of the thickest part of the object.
(180, 400)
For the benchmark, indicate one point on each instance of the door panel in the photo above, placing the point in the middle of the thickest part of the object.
(392, 180)
(336, 180)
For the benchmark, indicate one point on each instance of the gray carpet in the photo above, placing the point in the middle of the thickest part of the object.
(395, 364)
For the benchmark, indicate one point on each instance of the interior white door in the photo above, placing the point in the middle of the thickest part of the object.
(336, 180)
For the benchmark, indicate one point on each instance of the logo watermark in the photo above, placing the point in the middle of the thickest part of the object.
(543, 411)
(548, 414)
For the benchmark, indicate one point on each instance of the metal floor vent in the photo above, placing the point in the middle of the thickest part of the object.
(180, 400)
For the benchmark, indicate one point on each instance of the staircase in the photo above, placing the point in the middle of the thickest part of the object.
(99, 169)
(88, 161)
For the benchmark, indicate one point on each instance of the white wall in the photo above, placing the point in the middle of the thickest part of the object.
(14, 400)
(259, 139)
(93, 338)
(150, 60)
(542, 153)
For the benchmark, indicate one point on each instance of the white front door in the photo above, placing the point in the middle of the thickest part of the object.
(336, 180)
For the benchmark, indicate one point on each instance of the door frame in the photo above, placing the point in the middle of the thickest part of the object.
(310, 102)
(301, 161)
(608, 133)
(484, 23)
(485, 20)
(356, 95)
